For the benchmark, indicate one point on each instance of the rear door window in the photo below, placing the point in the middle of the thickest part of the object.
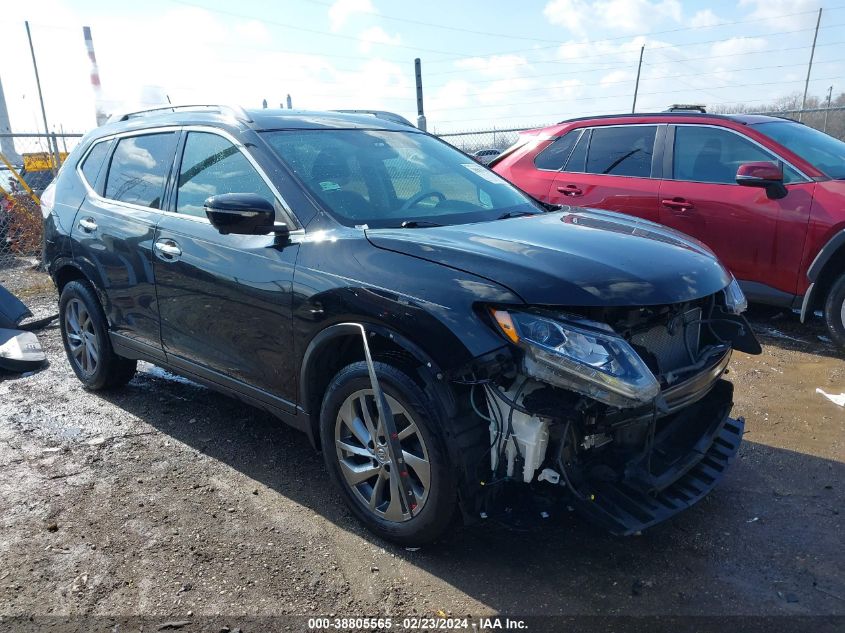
(578, 158)
(139, 169)
(708, 154)
(212, 165)
(555, 156)
(94, 161)
(624, 150)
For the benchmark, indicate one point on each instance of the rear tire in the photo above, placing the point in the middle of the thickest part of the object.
(86, 340)
(357, 463)
(834, 311)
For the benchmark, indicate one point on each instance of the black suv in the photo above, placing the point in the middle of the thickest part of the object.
(446, 341)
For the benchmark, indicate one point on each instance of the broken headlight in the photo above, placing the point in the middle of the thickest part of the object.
(735, 299)
(579, 355)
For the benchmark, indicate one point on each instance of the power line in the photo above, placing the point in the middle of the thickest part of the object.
(302, 28)
(511, 36)
(238, 46)
(625, 52)
(451, 56)
(643, 79)
(629, 37)
(591, 98)
(660, 50)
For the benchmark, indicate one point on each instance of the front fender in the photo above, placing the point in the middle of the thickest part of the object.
(824, 255)
(430, 370)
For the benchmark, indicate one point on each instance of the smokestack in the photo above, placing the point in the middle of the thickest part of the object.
(7, 144)
(95, 76)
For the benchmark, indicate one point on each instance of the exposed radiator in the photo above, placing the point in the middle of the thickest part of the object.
(667, 343)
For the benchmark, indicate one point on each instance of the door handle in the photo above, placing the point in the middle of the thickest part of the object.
(88, 225)
(168, 249)
(679, 205)
(570, 190)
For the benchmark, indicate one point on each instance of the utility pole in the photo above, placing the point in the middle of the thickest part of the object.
(7, 143)
(810, 65)
(637, 85)
(421, 122)
(95, 77)
(55, 149)
(829, 95)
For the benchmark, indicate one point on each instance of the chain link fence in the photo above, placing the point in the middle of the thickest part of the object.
(830, 120)
(472, 141)
(28, 162)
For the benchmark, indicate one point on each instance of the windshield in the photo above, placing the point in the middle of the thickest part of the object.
(386, 179)
(822, 151)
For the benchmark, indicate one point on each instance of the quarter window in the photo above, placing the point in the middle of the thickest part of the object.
(94, 161)
(211, 165)
(708, 154)
(139, 168)
(622, 150)
(554, 157)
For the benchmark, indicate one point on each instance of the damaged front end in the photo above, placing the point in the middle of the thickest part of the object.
(622, 409)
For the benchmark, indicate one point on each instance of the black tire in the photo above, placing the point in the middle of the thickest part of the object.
(834, 311)
(439, 507)
(109, 370)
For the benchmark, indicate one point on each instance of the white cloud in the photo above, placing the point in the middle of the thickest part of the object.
(495, 65)
(229, 61)
(568, 13)
(704, 18)
(342, 10)
(601, 52)
(782, 14)
(253, 31)
(376, 35)
(626, 16)
(737, 46)
(617, 76)
(565, 89)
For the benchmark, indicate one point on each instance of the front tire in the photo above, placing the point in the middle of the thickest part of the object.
(834, 311)
(86, 340)
(354, 451)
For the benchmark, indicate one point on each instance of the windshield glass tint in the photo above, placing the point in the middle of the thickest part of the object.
(820, 150)
(382, 179)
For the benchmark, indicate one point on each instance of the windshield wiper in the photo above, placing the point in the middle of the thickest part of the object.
(418, 224)
(549, 207)
(515, 214)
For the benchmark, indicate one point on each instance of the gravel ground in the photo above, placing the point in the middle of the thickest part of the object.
(166, 499)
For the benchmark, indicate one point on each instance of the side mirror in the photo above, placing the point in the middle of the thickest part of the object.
(242, 214)
(762, 174)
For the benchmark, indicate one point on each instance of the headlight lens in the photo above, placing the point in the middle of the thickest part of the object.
(735, 299)
(579, 355)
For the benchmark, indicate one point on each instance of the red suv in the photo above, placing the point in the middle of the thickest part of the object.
(766, 194)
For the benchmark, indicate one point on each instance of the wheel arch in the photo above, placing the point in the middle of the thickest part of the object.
(339, 345)
(828, 264)
(65, 272)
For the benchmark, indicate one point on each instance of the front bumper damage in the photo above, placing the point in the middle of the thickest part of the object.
(628, 465)
(689, 458)
(625, 471)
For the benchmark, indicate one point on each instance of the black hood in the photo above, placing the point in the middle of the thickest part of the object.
(577, 257)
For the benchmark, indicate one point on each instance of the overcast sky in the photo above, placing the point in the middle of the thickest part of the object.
(485, 63)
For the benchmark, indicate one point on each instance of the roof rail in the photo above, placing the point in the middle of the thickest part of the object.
(381, 114)
(687, 107)
(236, 111)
